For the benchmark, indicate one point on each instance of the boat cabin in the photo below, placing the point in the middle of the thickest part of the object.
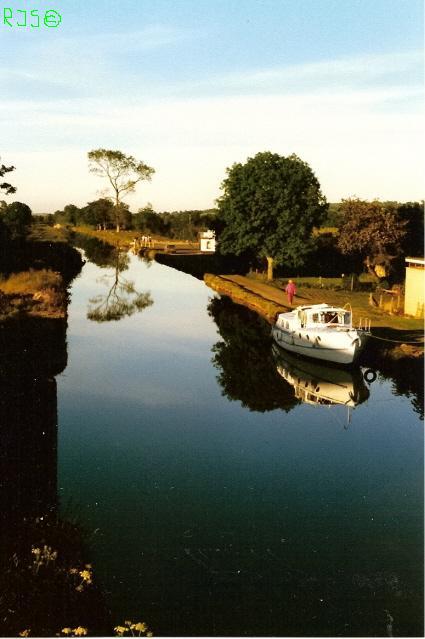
(323, 316)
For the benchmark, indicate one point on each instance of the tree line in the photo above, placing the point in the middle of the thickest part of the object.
(102, 214)
(269, 212)
(272, 206)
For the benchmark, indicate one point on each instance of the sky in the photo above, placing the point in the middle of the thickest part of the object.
(191, 86)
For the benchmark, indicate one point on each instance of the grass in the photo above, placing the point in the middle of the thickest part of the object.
(365, 280)
(31, 282)
(46, 233)
(39, 293)
(123, 239)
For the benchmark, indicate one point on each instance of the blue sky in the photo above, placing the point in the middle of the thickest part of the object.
(191, 87)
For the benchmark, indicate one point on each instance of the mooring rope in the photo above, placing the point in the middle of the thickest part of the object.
(396, 341)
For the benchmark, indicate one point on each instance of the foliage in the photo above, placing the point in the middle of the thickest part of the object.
(147, 220)
(334, 216)
(413, 214)
(269, 207)
(186, 225)
(373, 230)
(46, 582)
(122, 171)
(17, 218)
(101, 214)
(5, 186)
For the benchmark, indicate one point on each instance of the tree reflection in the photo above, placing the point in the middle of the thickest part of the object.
(96, 251)
(122, 299)
(247, 371)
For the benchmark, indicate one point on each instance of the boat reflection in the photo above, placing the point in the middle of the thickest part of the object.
(317, 383)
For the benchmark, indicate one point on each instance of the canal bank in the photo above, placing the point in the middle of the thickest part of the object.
(397, 337)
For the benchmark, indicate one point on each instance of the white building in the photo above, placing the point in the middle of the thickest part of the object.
(414, 287)
(207, 241)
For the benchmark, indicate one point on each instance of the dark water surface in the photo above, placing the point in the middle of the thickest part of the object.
(222, 504)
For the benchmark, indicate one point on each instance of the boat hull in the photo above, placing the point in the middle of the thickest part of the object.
(340, 347)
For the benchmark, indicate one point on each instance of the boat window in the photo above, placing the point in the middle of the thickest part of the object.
(347, 318)
(331, 317)
(315, 317)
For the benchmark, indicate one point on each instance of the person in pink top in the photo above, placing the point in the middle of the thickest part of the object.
(290, 290)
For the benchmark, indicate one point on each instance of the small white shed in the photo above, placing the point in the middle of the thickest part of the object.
(207, 241)
(414, 287)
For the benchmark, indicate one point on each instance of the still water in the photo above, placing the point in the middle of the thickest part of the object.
(220, 502)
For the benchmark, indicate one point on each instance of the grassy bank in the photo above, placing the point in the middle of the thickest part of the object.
(35, 272)
(399, 334)
(37, 293)
(124, 239)
(396, 335)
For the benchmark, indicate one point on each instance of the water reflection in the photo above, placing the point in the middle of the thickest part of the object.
(246, 339)
(41, 553)
(316, 383)
(406, 376)
(32, 353)
(121, 298)
(97, 252)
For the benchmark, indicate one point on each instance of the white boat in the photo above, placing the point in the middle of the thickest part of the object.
(322, 332)
(316, 383)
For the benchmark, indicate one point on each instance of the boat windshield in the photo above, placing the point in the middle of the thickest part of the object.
(333, 317)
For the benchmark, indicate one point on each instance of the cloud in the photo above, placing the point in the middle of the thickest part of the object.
(366, 71)
(84, 66)
(364, 67)
(356, 138)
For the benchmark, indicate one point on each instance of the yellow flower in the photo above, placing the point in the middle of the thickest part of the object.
(120, 630)
(140, 627)
(128, 623)
(25, 633)
(149, 634)
(80, 631)
(86, 575)
(66, 631)
(73, 571)
(35, 551)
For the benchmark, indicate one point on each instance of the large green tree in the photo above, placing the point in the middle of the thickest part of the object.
(268, 208)
(373, 230)
(122, 171)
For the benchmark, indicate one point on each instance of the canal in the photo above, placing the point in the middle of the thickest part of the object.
(220, 497)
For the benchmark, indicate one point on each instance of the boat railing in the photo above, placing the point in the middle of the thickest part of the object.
(364, 324)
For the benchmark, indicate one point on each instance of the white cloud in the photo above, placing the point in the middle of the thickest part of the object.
(366, 141)
(365, 67)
